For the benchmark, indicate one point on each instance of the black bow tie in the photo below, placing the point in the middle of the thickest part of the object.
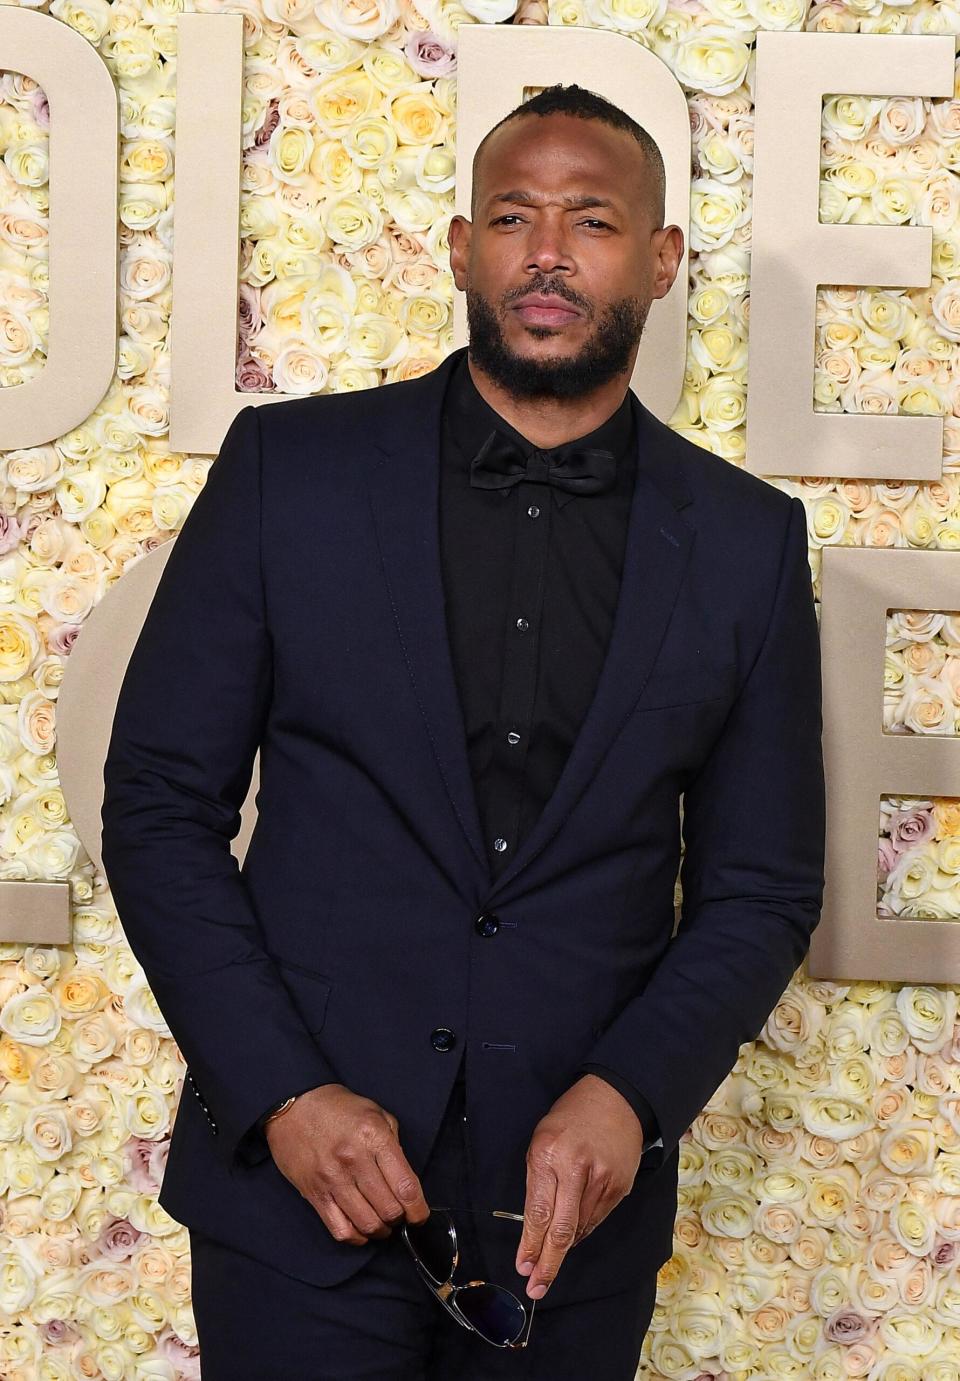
(578, 469)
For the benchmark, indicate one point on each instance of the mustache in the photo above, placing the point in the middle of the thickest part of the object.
(547, 289)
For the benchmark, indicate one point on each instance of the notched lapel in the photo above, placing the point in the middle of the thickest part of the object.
(404, 493)
(404, 497)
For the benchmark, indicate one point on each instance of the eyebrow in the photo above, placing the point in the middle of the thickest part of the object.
(518, 195)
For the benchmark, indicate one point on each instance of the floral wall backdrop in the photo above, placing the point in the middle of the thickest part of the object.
(818, 1226)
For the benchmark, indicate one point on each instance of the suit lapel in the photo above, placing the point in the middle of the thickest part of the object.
(404, 496)
(404, 492)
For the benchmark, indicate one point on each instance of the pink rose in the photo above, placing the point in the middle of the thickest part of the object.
(908, 828)
(40, 108)
(62, 637)
(58, 1332)
(847, 1326)
(249, 316)
(10, 532)
(184, 1359)
(886, 857)
(119, 1239)
(429, 54)
(143, 1172)
(252, 377)
(270, 121)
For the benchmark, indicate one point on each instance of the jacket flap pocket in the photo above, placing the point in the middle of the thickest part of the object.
(309, 990)
(685, 685)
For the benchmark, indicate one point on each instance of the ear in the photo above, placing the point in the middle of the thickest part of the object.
(459, 236)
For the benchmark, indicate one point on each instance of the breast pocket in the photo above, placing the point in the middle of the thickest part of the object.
(688, 685)
(309, 990)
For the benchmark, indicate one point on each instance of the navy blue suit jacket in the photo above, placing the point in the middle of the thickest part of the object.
(300, 613)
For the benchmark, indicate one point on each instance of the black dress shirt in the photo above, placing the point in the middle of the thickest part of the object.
(531, 578)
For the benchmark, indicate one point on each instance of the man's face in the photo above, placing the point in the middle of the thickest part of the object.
(598, 266)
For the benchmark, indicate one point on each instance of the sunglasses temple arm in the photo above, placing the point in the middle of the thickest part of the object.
(533, 1305)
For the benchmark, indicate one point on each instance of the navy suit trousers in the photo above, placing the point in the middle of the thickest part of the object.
(383, 1324)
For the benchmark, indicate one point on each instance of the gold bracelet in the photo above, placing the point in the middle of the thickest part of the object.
(282, 1109)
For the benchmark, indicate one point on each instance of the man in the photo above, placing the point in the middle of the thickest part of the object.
(485, 628)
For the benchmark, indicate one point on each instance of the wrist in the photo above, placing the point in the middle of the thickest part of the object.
(278, 1110)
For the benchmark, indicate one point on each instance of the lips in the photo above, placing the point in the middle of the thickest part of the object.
(546, 311)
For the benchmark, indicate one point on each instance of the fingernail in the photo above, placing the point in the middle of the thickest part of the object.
(537, 1291)
(525, 1268)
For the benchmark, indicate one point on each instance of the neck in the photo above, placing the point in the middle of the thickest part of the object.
(548, 421)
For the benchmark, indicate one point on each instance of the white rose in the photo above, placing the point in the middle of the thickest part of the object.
(31, 1017)
(713, 62)
(298, 368)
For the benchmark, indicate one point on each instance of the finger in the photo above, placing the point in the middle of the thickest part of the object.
(560, 1233)
(402, 1182)
(361, 1212)
(377, 1192)
(591, 1211)
(336, 1221)
(537, 1212)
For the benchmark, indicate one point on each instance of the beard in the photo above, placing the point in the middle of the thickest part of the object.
(604, 355)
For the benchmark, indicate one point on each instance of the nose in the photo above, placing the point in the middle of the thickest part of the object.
(548, 249)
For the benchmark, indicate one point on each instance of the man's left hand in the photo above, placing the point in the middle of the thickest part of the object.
(581, 1161)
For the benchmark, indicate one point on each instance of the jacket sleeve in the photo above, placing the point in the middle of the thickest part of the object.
(639, 1104)
(752, 874)
(185, 735)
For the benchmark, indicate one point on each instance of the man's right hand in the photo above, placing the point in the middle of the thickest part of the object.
(341, 1152)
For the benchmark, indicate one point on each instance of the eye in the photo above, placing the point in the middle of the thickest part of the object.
(511, 215)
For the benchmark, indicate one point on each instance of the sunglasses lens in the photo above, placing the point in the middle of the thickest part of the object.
(493, 1312)
(432, 1243)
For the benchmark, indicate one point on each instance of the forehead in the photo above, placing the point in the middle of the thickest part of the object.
(560, 155)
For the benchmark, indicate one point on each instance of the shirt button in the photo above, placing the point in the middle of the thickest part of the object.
(513, 737)
(523, 625)
(499, 844)
(533, 511)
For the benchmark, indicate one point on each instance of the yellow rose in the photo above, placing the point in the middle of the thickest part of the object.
(290, 150)
(342, 100)
(390, 70)
(146, 160)
(849, 117)
(375, 340)
(416, 118)
(424, 314)
(436, 170)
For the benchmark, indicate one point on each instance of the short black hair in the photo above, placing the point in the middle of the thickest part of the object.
(585, 105)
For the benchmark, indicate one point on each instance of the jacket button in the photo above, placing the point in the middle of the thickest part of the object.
(487, 924)
(443, 1038)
